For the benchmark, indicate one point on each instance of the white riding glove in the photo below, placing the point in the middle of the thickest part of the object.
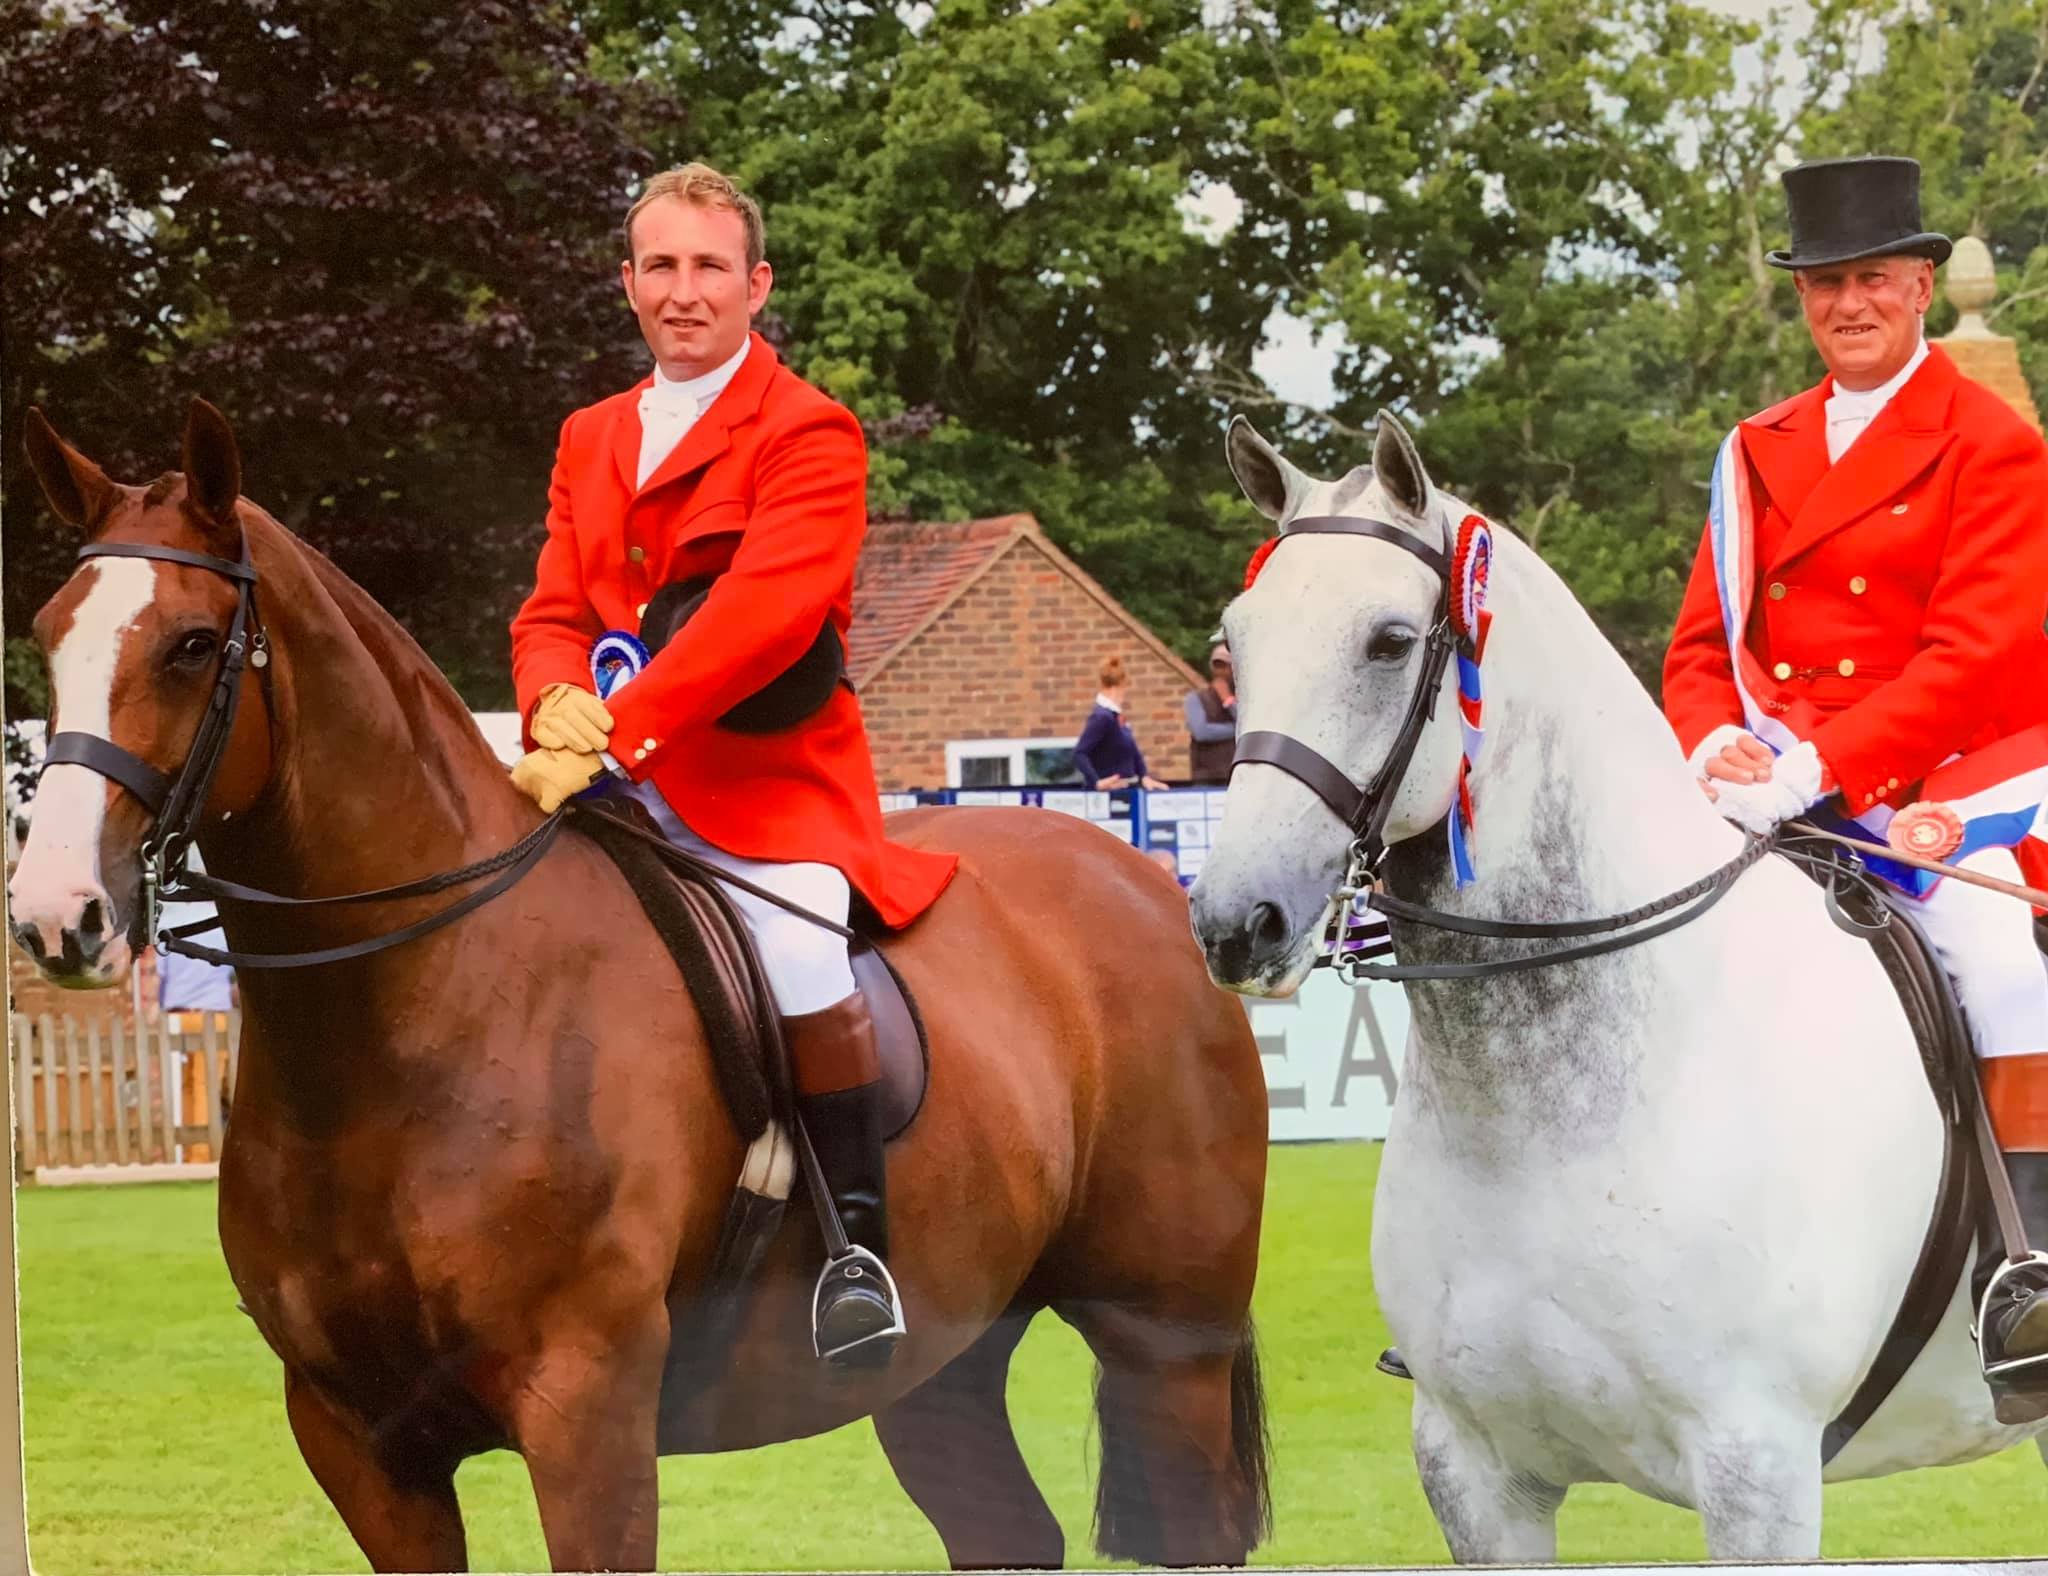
(1792, 788)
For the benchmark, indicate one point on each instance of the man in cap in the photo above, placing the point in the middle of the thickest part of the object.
(714, 513)
(1862, 642)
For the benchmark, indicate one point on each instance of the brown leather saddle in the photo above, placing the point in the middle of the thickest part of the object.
(1865, 906)
(712, 947)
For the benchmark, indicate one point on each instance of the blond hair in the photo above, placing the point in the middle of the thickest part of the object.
(703, 187)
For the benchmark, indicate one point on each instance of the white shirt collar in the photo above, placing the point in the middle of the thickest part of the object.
(692, 395)
(1105, 701)
(1868, 402)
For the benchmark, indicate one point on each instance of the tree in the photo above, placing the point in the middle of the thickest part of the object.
(377, 233)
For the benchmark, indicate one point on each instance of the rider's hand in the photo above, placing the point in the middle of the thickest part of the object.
(569, 718)
(549, 776)
(1116, 781)
(1800, 780)
(1746, 759)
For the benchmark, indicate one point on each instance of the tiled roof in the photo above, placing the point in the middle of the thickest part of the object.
(908, 573)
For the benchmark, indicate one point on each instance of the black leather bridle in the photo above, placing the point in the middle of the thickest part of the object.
(1364, 814)
(175, 802)
(1364, 810)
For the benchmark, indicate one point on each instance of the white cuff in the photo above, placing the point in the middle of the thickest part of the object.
(1797, 772)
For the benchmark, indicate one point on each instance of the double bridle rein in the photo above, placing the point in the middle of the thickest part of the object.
(1364, 812)
(176, 803)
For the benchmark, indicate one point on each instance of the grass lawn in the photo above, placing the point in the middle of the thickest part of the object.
(156, 1436)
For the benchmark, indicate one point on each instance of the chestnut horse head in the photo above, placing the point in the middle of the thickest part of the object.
(134, 647)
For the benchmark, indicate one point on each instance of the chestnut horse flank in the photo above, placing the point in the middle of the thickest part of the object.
(473, 1183)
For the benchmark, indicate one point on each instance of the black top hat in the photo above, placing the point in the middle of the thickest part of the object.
(1843, 209)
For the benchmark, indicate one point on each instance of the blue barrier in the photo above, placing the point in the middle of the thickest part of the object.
(1177, 821)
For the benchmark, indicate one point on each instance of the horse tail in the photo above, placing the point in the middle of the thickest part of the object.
(1233, 1515)
(1251, 1441)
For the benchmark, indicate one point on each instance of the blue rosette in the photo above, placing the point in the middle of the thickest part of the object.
(616, 658)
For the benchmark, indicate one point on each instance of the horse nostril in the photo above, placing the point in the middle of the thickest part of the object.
(1265, 929)
(30, 940)
(92, 921)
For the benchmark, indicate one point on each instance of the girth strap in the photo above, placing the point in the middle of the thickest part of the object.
(89, 750)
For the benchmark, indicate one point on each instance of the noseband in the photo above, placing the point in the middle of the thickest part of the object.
(1364, 811)
(175, 803)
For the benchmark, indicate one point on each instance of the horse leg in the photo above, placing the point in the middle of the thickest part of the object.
(402, 1523)
(1180, 1481)
(1489, 1515)
(585, 1422)
(1758, 1494)
(952, 1448)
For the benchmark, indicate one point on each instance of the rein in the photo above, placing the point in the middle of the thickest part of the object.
(176, 804)
(1702, 895)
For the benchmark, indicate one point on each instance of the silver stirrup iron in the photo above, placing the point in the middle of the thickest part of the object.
(856, 1264)
(2011, 1365)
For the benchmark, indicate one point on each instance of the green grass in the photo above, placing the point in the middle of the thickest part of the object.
(156, 1436)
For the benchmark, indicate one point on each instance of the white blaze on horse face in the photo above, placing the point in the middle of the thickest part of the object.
(60, 864)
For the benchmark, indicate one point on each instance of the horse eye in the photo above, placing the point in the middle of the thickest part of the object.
(1390, 645)
(194, 647)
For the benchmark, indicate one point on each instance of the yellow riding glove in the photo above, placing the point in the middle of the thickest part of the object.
(550, 776)
(569, 718)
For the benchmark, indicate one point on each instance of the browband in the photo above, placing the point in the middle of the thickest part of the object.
(174, 555)
(1380, 530)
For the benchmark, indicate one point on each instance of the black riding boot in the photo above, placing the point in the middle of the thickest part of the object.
(837, 1069)
(2013, 1338)
(1392, 1365)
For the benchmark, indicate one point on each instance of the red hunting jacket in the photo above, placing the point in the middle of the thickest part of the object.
(768, 491)
(1900, 591)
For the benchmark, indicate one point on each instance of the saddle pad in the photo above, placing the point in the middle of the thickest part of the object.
(715, 953)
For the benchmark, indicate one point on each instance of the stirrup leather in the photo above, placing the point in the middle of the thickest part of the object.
(2011, 1366)
(853, 1267)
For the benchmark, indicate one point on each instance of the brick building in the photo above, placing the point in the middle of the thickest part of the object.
(976, 647)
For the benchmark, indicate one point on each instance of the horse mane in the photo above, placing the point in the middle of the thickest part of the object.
(449, 744)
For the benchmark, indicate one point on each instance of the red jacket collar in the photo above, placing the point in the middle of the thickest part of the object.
(739, 402)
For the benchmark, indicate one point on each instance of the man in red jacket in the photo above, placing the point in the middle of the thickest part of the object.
(1862, 639)
(725, 474)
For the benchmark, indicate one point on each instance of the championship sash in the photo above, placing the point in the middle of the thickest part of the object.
(1996, 797)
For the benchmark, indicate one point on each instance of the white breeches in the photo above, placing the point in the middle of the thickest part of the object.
(1986, 941)
(806, 966)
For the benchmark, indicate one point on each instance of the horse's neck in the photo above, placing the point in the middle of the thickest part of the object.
(1582, 807)
(379, 773)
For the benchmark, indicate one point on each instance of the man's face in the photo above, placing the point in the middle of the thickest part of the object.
(689, 284)
(1865, 316)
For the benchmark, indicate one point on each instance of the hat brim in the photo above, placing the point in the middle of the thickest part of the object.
(1935, 248)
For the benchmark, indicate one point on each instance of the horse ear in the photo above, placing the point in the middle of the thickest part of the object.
(213, 470)
(1269, 481)
(1399, 468)
(78, 490)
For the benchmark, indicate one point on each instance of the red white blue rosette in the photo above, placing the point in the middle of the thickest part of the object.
(616, 658)
(1471, 567)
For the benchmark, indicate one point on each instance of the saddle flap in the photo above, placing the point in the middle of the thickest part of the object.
(899, 1037)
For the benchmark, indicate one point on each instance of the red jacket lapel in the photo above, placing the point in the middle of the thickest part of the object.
(1788, 446)
(626, 433)
(712, 435)
(1906, 437)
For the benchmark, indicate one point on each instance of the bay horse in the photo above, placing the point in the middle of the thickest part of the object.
(472, 1182)
(1642, 1218)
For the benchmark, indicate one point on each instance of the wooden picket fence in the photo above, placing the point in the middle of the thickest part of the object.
(98, 1091)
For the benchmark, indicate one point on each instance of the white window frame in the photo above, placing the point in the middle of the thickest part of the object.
(961, 750)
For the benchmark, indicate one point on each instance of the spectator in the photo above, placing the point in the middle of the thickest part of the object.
(1212, 721)
(1166, 859)
(1107, 754)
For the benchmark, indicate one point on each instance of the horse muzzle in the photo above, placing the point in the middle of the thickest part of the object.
(1260, 947)
(72, 934)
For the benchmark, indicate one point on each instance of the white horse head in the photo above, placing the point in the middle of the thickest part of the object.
(1329, 647)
